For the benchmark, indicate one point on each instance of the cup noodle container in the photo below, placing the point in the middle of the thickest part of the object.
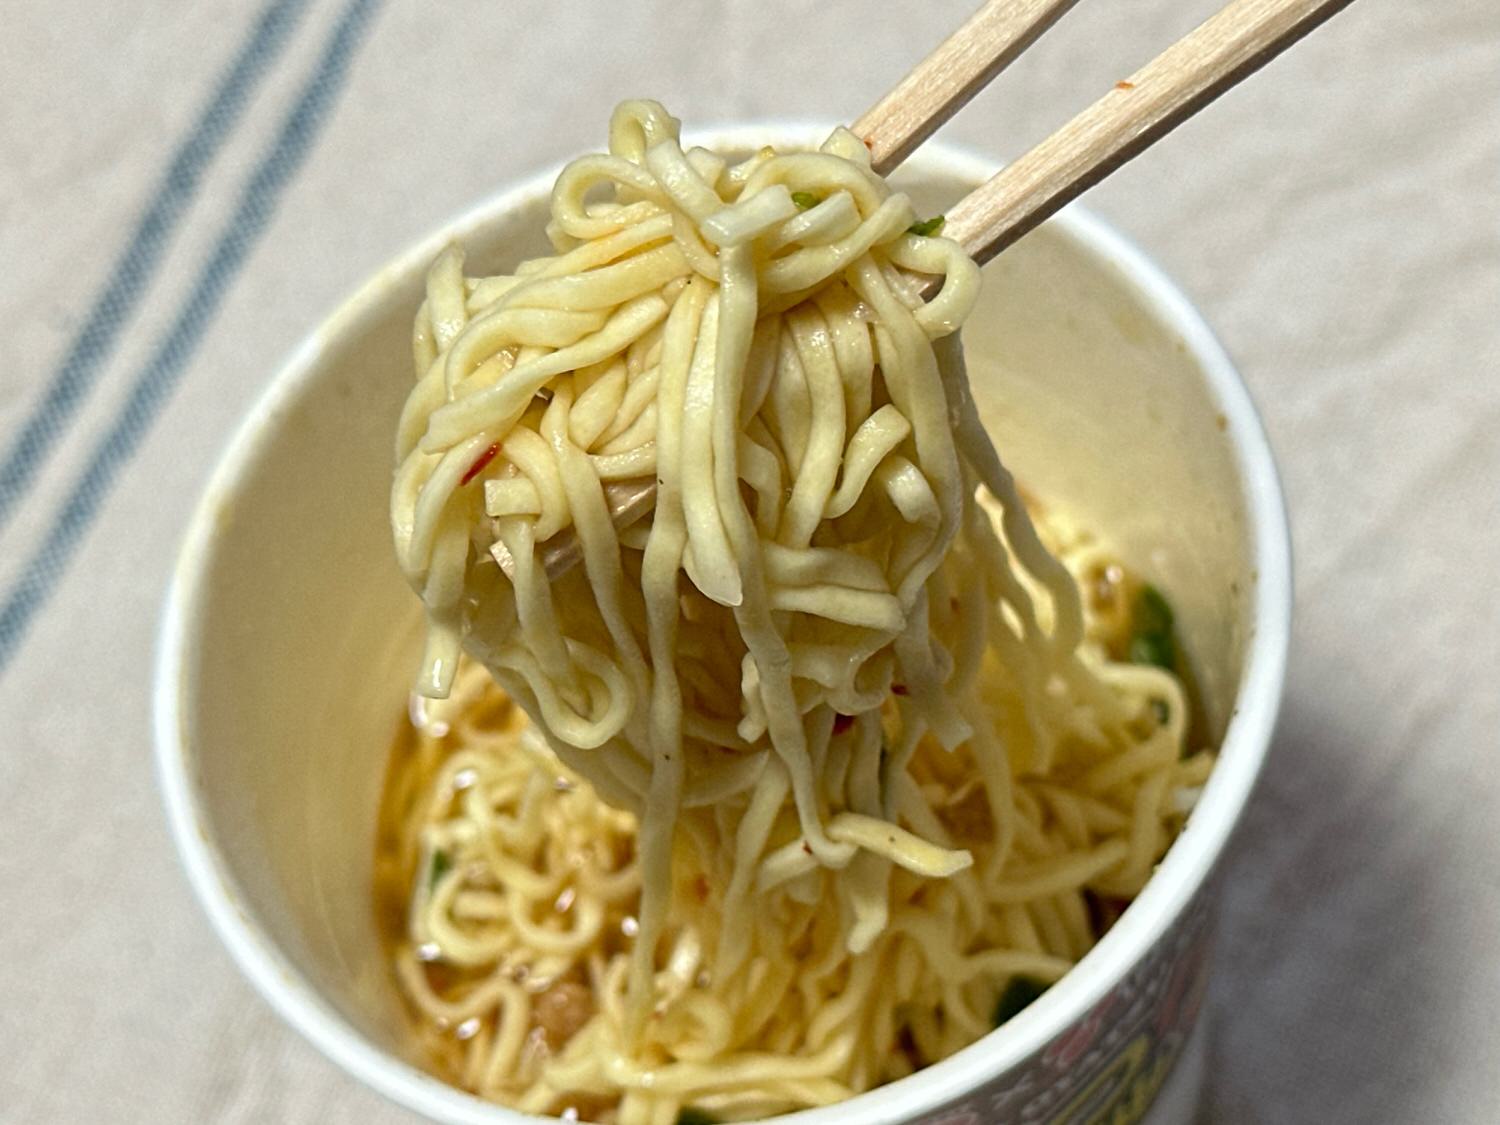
(289, 641)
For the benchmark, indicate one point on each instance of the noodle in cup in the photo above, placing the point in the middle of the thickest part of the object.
(281, 672)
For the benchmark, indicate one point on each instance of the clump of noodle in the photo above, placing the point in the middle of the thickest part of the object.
(816, 550)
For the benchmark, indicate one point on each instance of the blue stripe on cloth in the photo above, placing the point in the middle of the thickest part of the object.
(156, 380)
(135, 268)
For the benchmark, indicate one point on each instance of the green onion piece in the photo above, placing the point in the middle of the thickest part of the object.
(1152, 613)
(927, 228)
(442, 863)
(1151, 638)
(1019, 993)
(1162, 712)
(1152, 648)
(693, 1116)
(804, 200)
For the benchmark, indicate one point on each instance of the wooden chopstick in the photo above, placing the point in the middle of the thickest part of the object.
(628, 502)
(957, 69)
(1153, 101)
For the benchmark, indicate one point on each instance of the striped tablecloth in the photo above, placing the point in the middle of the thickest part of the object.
(186, 188)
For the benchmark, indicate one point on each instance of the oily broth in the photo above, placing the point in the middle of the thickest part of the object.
(410, 769)
(418, 753)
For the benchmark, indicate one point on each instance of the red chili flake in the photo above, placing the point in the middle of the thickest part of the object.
(807, 847)
(841, 723)
(700, 888)
(899, 689)
(1123, 85)
(479, 463)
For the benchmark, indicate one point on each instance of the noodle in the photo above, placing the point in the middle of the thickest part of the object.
(821, 755)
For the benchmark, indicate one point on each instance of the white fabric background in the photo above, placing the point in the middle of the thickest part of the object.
(1338, 220)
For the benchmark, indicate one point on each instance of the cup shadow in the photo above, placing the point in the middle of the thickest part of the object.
(1328, 994)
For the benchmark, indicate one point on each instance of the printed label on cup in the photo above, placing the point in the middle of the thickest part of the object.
(1107, 1068)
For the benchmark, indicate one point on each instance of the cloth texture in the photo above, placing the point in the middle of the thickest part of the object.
(189, 188)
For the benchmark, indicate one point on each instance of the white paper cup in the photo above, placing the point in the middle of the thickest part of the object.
(289, 641)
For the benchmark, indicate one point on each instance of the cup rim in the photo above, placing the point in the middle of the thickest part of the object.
(1181, 874)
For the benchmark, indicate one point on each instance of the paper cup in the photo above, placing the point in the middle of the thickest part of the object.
(289, 643)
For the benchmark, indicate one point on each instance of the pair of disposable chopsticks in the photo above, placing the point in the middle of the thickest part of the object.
(1129, 118)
